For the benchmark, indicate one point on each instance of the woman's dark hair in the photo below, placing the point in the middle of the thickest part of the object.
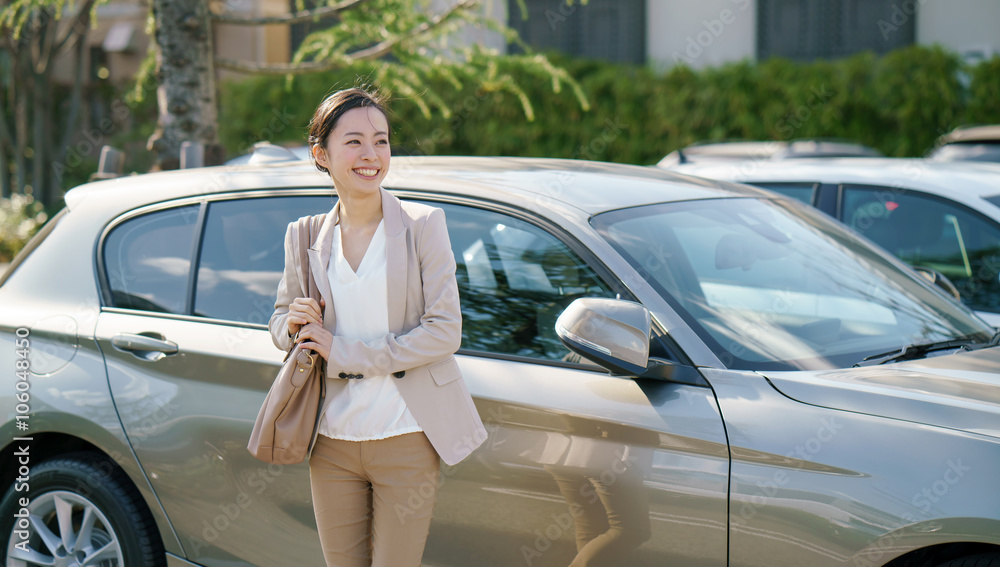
(329, 111)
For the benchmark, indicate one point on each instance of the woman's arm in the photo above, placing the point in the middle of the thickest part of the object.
(439, 333)
(289, 288)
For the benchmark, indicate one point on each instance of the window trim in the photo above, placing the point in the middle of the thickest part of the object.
(196, 245)
(769, 186)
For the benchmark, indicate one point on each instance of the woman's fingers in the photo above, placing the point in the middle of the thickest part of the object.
(316, 338)
(305, 310)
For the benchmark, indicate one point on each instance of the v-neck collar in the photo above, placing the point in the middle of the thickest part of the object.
(344, 269)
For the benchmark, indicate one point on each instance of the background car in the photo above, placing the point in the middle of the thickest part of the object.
(968, 143)
(739, 150)
(780, 392)
(944, 216)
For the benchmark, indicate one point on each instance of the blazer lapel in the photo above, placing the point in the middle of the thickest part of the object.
(319, 263)
(395, 260)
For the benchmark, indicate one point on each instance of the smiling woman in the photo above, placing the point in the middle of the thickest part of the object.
(388, 324)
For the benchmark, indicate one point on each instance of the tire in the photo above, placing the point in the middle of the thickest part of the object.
(67, 493)
(985, 560)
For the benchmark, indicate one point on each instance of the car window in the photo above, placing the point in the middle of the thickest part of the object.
(148, 260)
(925, 230)
(243, 254)
(774, 284)
(514, 280)
(801, 191)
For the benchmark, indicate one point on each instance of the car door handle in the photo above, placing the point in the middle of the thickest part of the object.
(150, 348)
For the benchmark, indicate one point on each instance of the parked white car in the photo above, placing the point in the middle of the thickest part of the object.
(968, 143)
(939, 215)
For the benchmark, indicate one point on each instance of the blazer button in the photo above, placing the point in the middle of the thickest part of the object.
(342, 375)
(359, 376)
(399, 374)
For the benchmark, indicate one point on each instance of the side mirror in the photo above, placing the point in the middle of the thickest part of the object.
(938, 279)
(613, 333)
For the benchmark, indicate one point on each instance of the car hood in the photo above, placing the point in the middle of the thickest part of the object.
(957, 391)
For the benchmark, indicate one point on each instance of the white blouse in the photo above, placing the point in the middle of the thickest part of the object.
(371, 407)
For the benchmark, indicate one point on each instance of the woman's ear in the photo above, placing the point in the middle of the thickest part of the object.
(320, 155)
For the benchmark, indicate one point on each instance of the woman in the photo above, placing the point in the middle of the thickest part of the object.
(388, 325)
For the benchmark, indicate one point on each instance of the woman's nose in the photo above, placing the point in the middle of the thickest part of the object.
(369, 152)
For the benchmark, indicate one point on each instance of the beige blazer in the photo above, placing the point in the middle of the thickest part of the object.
(425, 321)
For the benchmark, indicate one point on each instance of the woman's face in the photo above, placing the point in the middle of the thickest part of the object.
(357, 151)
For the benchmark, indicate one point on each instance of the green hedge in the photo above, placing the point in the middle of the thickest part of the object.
(898, 103)
(20, 218)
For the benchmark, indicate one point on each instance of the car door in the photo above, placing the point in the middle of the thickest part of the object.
(618, 470)
(189, 361)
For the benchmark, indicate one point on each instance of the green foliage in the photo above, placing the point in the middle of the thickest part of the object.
(408, 48)
(20, 217)
(984, 93)
(899, 103)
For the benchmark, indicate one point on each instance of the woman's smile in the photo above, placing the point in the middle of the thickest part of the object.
(367, 172)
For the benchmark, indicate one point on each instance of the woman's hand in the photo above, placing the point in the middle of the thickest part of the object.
(303, 311)
(316, 338)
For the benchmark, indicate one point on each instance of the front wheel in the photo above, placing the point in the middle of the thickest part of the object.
(79, 513)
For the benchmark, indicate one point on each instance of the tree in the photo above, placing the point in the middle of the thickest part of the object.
(404, 42)
(29, 111)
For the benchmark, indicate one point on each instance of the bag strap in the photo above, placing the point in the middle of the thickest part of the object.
(307, 236)
(308, 231)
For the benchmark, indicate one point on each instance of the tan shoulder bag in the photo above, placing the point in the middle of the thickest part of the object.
(288, 419)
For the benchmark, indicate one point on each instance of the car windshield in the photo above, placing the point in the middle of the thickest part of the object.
(775, 285)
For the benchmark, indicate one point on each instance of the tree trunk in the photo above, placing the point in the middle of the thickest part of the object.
(6, 147)
(21, 131)
(186, 96)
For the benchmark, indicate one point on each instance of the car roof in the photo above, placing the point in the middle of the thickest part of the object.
(531, 183)
(972, 134)
(980, 179)
(771, 149)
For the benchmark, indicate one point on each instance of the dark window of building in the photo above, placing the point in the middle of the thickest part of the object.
(613, 30)
(822, 29)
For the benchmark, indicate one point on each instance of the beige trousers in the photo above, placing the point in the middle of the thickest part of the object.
(374, 499)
